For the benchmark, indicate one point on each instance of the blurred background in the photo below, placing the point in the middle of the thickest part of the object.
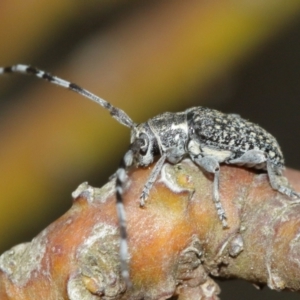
(146, 57)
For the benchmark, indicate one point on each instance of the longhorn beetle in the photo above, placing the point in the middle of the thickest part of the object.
(207, 136)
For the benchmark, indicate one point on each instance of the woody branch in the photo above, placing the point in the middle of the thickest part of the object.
(176, 241)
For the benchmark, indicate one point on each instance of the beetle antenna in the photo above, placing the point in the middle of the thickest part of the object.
(116, 113)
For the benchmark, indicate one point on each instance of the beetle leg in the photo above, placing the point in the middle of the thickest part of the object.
(251, 158)
(211, 165)
(151, 179)
(277, 182)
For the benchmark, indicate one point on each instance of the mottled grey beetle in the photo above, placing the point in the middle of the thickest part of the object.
(207, 136)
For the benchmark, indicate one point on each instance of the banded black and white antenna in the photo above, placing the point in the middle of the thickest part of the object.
(126, 162)
(115, 112)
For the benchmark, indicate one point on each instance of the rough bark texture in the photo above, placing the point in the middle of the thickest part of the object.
(175, 242)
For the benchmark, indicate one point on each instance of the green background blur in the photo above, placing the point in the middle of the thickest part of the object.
(146, 57)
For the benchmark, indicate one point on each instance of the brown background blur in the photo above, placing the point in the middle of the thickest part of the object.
(146, 57)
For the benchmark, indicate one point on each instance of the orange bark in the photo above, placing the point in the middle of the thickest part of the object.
(175, 242)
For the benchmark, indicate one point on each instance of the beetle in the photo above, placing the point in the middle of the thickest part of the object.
(208, 137)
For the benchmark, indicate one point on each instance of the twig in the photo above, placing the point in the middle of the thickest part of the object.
(176, 241)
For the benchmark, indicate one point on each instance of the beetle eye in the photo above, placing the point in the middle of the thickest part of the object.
(144, 146)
